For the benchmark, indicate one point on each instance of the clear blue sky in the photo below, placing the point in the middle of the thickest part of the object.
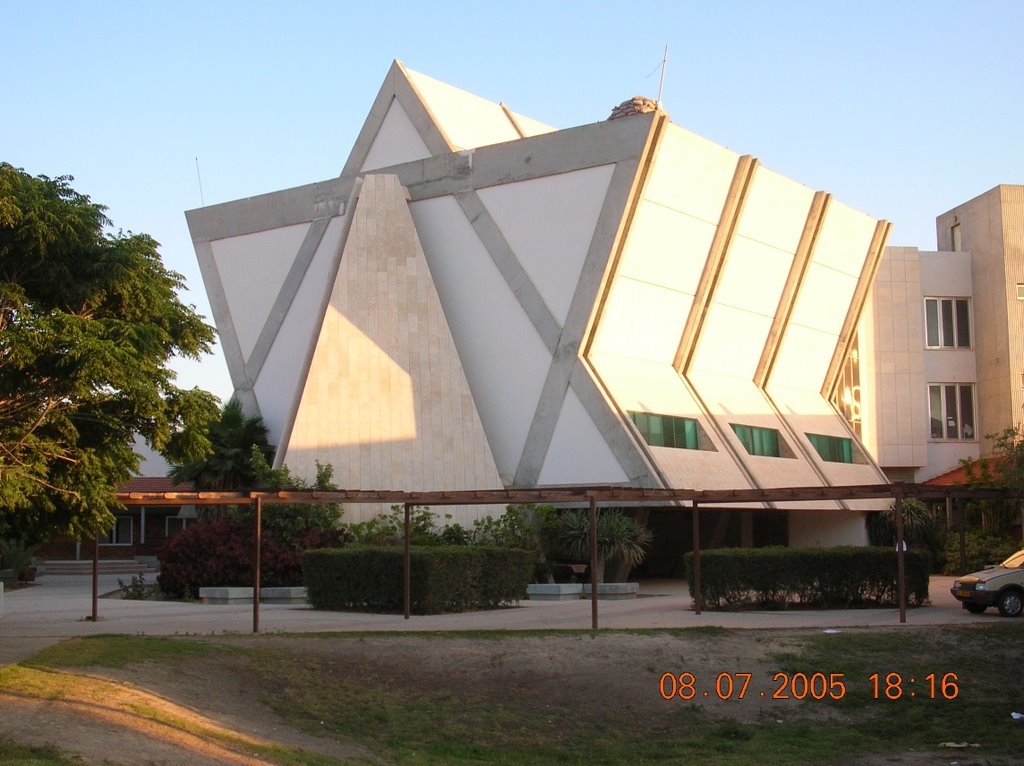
(900, 109)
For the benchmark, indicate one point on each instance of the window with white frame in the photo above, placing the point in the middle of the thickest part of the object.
(947, 322)
(951, 411)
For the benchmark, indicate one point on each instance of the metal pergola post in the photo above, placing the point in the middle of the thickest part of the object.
(96, 577)
(407, 562)
(901, 580)
(258, 507)
(593, 563)
(697, 598)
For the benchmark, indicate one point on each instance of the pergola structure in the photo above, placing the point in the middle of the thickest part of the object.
(792, 498)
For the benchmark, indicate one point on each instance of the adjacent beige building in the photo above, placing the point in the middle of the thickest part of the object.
(941, 346)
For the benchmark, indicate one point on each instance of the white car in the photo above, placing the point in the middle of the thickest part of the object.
(1001, 587)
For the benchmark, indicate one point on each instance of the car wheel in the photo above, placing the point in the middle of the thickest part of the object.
(975, 608)
(1011, 603)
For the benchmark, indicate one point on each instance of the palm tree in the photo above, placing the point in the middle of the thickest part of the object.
(228, 466)
(619, 538)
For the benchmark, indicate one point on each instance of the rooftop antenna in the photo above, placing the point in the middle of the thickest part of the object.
(664, 65)
(202, 201)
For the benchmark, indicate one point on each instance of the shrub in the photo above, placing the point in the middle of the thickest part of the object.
(443, 578)
(983, 548)
(819, 577)
(389, 528)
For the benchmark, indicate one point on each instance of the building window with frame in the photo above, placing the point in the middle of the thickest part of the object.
(951, 411)
(667, 430)
(120, 534)
(947, 322)
(759, 441)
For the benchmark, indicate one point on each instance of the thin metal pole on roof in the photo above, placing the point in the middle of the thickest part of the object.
(256, 568)
(407, 563)
(664, 66)
(202, 199)
(697, 598)
(901, 582)
(593, 562)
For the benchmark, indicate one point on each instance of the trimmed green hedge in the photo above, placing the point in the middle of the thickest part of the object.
(444, 578)
(777, 577)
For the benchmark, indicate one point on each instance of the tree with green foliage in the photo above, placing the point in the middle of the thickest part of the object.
(1003, 468)
(228, 464)
(89, 320)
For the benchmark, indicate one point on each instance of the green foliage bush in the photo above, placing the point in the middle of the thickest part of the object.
(777, 577)
(443, 578)
(983, 548)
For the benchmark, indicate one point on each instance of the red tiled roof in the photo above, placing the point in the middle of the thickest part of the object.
(958, 476)
(153, 484)
(955, 477)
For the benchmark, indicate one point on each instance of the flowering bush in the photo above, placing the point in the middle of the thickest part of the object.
(220, 553)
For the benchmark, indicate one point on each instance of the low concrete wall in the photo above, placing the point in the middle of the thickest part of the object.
(554, 591)
(613, 591)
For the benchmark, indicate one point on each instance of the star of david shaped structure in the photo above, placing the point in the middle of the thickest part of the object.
(480, 300)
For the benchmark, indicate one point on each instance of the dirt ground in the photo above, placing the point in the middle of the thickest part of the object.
(556, 674)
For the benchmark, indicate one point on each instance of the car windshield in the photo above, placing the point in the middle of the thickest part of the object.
(1015, 561)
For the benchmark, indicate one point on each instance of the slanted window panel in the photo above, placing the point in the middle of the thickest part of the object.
(832, 449)
(758, 441)
(667, 430)
(951, 410)
(947, 322)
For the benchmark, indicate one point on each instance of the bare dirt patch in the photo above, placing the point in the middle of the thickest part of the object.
(605, 679)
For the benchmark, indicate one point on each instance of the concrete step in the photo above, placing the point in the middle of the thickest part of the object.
(106, 566)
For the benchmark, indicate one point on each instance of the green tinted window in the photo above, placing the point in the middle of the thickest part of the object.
(667, 430)
(758, 441)
(833, 449)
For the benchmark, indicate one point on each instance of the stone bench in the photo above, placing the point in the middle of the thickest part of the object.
(239, 595)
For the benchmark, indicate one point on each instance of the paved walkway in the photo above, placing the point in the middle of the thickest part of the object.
(58, 607)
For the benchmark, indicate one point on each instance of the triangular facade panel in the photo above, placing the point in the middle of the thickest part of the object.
(397, 141)
(578, 453)
(549, 223)
(385, 395)
(252, 269)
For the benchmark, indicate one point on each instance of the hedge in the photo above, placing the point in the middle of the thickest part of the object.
(443, 578)
(778, 577)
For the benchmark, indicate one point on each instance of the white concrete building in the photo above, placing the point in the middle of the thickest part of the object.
(480, 301)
